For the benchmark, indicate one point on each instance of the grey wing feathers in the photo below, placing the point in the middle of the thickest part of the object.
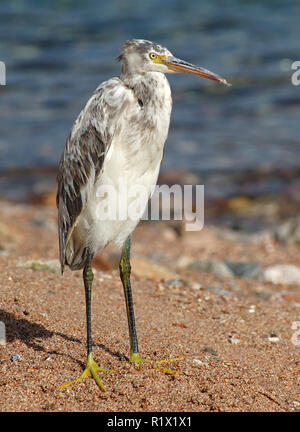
(83, 158)
(73, 174)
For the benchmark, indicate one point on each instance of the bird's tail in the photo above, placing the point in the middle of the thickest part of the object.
(76, 251)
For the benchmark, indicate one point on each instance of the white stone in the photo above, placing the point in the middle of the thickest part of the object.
(282, 274)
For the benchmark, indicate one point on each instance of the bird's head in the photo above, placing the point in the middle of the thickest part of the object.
(140, 56)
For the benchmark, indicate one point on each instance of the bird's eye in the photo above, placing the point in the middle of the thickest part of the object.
(152, 56)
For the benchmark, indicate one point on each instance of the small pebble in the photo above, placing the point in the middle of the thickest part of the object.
(195, 286)
(16, 357)
(216, 267)
(233, 339)
(210, 351)
(219, 291)
(282, 274)
(51, 265)
(273, 338)
(198, 362)
(249, 270)
(174, 283)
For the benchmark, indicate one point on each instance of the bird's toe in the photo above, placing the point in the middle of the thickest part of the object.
(91, 370)
(135, 358)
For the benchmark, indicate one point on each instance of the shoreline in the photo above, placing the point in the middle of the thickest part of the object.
(242, 200)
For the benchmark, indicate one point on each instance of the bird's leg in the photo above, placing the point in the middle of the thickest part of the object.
(91, 367)
(125, 270)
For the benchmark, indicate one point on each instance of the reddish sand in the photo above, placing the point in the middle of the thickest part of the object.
(236, 343)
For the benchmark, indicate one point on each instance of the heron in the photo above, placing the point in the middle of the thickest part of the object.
(120, 133)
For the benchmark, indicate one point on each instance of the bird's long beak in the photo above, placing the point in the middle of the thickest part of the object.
(177, 65)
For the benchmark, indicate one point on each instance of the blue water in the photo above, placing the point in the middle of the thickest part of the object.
(57, 52)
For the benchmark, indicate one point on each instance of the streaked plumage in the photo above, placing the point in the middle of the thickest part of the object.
(126, 120)
(120, 133)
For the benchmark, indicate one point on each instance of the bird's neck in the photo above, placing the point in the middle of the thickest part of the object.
(148, 86)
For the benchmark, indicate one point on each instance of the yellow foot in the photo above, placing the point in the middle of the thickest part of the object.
(135, 358)
(90, 370)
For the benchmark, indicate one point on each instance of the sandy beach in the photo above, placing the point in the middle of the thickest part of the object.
(233, 328)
